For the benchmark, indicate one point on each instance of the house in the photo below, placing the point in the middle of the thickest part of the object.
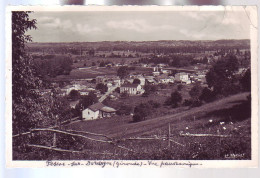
(115, 80)
(164, 79)
(142, 80)
(97, 110)
(182, 77)
(164, 71)
(150, 80)
(131, 89)
(69, 88)
(156, 73)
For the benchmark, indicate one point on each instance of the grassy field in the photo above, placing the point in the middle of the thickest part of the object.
(218, 111)
(83, 61)
(228, 116)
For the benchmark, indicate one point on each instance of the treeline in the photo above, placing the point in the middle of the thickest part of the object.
(171, 60)
(52, 65)
(157, 47)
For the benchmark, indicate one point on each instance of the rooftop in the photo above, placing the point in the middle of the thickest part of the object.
(129, 85)
(97, 106)
(107, 109)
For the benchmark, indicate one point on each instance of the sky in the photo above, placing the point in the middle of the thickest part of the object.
(139, 26)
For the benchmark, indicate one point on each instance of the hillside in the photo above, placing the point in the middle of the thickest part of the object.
(214, 131)
(225, 110)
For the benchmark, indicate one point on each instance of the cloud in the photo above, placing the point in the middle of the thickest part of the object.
(145, 26)
(85, 29)
(137, 26)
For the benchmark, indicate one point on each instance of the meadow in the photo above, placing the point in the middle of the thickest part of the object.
(214, 131)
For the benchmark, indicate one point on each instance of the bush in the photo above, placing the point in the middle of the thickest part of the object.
(141, 112)
(74, 95)
(179, 87)
(124, 110)
(246, 81)
(196, 103)
(154, 104)
(102, 88)
(124, 95)
(195, 91)
(174, 100)
(136, 81)
(207, 95)
(187, 102)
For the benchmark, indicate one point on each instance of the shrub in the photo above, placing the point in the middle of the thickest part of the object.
(174, 100)
(187, 102)
(246, 81)
(207, 95)
(141, 112)
(179, 87)
(74, 95)
(102, 88)
(124, 110)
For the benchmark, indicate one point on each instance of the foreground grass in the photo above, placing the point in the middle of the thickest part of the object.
(228, 116)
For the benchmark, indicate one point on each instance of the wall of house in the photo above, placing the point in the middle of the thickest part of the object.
(88, 114)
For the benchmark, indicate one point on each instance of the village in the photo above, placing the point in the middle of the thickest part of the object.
(113, 91)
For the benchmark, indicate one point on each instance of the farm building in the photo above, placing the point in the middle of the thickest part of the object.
(131, 89)
(96, 111)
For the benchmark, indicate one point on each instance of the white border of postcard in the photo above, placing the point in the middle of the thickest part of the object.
(252, 14)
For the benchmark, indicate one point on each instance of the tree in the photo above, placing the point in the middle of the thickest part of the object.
(206, 95)
(28, 109)
(102, 64)
(141, 112)
(179, 87)
(174, 100)
(74, 95)
(102, 88)
(85, 102)
(246, 81)
(122, 72)
(195, 92)
(136, 81)
(221, 76)
(205, 60)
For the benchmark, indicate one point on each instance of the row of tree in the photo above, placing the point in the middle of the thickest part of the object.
(52, 66)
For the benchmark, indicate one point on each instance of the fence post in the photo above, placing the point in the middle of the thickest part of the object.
(169, 134)
(54, 134)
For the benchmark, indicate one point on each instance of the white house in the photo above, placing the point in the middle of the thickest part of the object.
(182, 77)
(142, 80)
(131, 89)
(96, 111)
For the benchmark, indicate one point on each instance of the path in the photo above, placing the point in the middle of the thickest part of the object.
(107, 94)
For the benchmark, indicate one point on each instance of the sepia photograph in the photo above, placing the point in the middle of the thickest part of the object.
(132, 86)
